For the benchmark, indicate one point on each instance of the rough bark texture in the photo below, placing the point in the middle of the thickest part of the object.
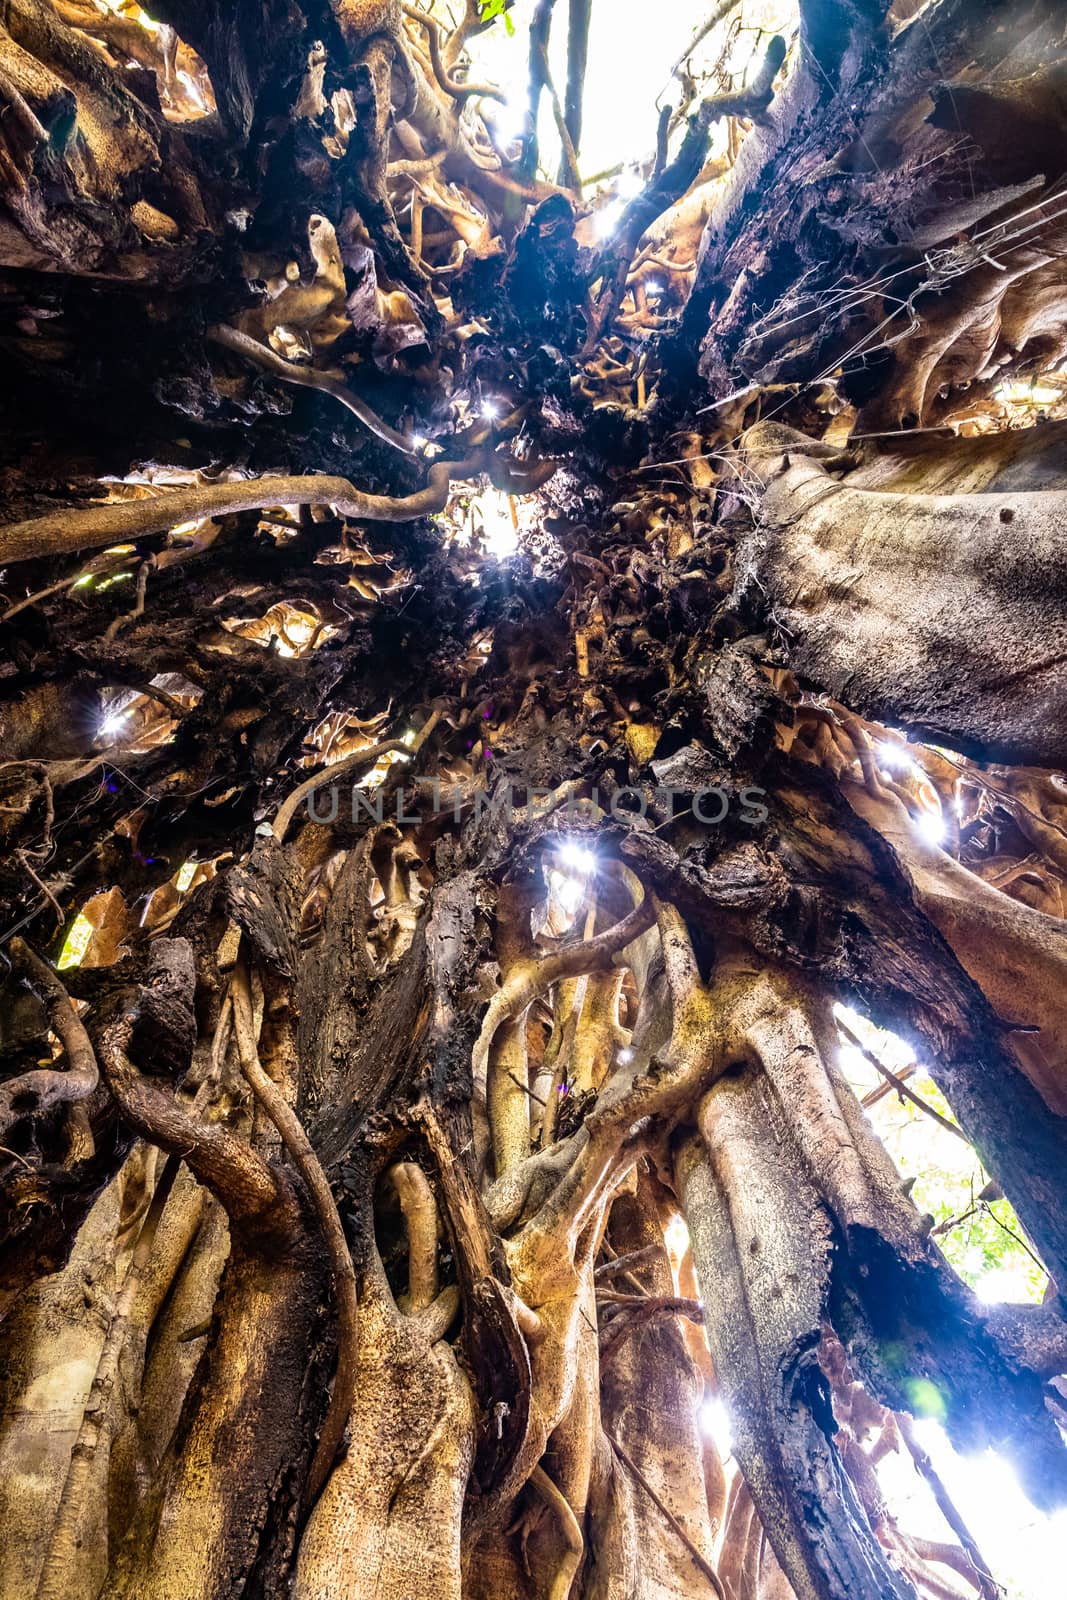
(419, 1075)
(944, 611)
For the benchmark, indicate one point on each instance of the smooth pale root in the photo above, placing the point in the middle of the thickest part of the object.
(651, 1392)
(172, 1354)
(197, 1529)
(56, 1340)
(757, 1248)
(90, 527)
(945, 612)
(53, 1339)
(795, 1211)
(1016, 955)
(387, 1524)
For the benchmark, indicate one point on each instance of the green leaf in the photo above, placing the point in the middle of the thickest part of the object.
(496, 8)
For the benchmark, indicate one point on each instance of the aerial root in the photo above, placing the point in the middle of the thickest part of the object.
(34, 1092)
(307, 1164)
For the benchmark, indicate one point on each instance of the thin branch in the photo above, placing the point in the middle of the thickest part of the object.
(22, 856)
(679, 1305)
(718, 13)
(1014, 1237)
(452, 86)
(579, 16)
(114, 628)
(636, 1311)
(880, 1090)
(359, 761)
(700, 1560)
(898, 1083)
(37, 596)
(90, 527)
(308, 378)
(924, 1466)
(34, 1092)
(525, 1087)
(635, 1258)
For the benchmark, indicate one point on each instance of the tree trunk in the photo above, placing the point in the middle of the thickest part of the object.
(479, 693)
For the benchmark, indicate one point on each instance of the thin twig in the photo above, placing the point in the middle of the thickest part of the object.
(115, 627)
(517, 1081)
(637, 1311)
(39, 594)
(988, 1587)
(451, 86)
(608, 1269)
(1014, 1237)
(16, 1157)
(308, 378)
(39, 883)
(898, 1083)
(359, 759)
(701, 1561)
(718, 13)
